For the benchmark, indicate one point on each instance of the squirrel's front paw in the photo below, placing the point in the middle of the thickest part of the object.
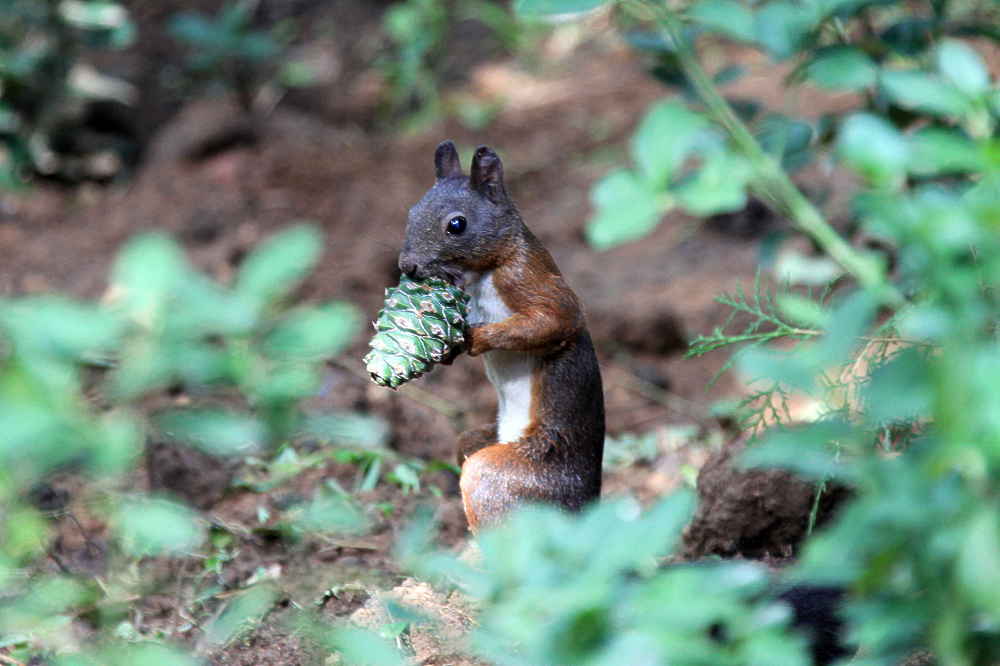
(476, 342)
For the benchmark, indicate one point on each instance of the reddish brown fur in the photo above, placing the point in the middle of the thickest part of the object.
(546, 311)
(552, 462)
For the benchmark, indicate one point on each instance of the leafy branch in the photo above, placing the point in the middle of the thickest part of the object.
(766, 324)
(769, 179)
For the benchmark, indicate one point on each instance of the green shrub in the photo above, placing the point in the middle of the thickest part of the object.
(903, 361)
(40, 45)
(75, 383)
(560, 589)
(225, 49)
(417, 58)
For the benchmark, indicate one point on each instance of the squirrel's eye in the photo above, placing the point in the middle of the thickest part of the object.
(456, 225)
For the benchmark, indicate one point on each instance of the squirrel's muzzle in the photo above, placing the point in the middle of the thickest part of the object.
(407, 265)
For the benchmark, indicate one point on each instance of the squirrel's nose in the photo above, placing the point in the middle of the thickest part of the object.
(407, 265)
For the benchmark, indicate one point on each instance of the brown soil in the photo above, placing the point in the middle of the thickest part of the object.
(754, 513)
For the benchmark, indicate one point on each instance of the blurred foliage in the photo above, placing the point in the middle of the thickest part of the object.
(901, 363)
(909, 66)
(592, 589)
(42, 77)
(421, 57)
(630, 449)
(76, 381)
(418, 30)
(226, 49)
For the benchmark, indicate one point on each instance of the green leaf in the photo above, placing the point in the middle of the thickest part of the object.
(719, 186)
(802, 310)
(979, 561)
(279, 264)
(151, 527)
(782, 27)
(119, 444)
(626, 210)
(900, 389)
(846, 8)
(406, 477)
(195, 29)
(55, 327)
(791, 369)
(285, 384)
(962, 66)
(873, 147)
(234, 16)
(313, 333)
(842, 68)
(785, 138)
(25, 533)
(936, 150)
(665, 520)
(728, 17)
(848, 321)
(131, 654)
(796, 267)
(142, 368)
(258, 47)
(666, 136)
(776, 648)
(542, 8)
(361, 647)
(204, 308)
(102, 24)
(913, 89)
(36, 437)
(348, 428)
(924, 323)
(214, 431)
(198, 364)
(331, 513)
(984, 197)
(93, 15)
(241, 615)
(145, 275)
(910, 36)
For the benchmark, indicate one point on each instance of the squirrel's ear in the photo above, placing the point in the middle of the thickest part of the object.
(446, 162)
(486, 176)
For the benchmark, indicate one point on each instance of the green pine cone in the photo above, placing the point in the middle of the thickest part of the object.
(418, 327)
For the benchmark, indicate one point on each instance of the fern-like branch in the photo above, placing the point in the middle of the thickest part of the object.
(766, 324)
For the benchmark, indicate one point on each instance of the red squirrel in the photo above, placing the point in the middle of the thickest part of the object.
(548, 439)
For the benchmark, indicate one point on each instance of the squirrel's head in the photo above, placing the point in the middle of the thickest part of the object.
(462, 223)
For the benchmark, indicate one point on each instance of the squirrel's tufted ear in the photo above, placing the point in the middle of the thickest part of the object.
(446, 162)
(486, 176)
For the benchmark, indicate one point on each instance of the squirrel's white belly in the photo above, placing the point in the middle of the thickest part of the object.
(510, 372)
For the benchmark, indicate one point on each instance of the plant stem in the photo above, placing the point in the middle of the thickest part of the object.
(772, 183)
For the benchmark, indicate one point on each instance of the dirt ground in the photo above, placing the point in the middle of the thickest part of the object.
(319, 156)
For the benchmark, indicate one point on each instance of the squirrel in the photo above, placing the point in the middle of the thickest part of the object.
(548, 439)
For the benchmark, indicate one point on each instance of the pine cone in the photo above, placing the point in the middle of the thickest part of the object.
(421, 323)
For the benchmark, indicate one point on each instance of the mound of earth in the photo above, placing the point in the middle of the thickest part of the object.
(753, 513)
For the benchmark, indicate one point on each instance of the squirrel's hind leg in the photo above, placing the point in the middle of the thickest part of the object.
(499, 478)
